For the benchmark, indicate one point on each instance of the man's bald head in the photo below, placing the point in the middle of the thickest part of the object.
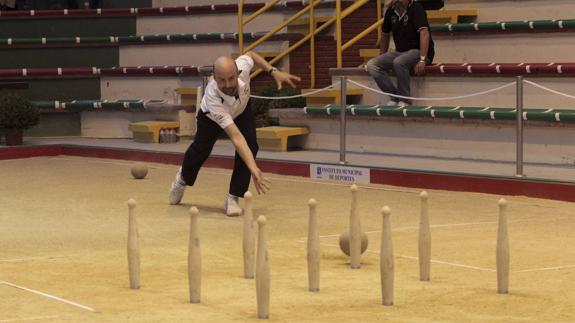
(226, 75)
(225, 65)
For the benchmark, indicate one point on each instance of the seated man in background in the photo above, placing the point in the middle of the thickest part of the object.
(414, 48)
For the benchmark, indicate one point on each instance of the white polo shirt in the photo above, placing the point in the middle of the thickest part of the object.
(222, 108)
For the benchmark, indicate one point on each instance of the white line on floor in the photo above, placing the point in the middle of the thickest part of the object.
(446, 263)
(545, 269)
(467, 266)
(432, 260)
(447, 225)
(32, 318)
(34, 258)
(49, 296)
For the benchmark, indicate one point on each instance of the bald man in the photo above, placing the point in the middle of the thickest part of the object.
(224, 107)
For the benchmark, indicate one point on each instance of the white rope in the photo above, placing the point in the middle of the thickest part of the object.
(295, 96)
(549, 90)
(435, 99)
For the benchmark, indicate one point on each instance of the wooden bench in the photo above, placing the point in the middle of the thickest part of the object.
(149, 131)
(276, 138)
(331, 96)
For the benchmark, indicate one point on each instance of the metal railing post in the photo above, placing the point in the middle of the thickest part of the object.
(338, 32)
(241, 27)
(343, 99)
(519, 128)
(312, 44)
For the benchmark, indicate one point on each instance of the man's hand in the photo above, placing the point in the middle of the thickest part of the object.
(262, 184)
(283, 77)
(420, 68)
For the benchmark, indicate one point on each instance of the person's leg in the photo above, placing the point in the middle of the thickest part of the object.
(206, 135)
(402, 66)
(377, 67)
(241, 175)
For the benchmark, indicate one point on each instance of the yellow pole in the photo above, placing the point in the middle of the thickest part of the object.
(321, 28)
(379, 14)
(280, 26)
(260, 11)
(362, 34)
(241, 26)
(312, 45)
(296, 45)
(338, 32)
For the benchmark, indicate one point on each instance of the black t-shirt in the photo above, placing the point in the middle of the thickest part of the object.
(406, 28)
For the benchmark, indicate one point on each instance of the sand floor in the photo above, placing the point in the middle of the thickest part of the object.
(63, 231)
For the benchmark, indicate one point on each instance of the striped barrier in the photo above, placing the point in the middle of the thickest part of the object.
(555, 115)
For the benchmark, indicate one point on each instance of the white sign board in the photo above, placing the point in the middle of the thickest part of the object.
(340, 173)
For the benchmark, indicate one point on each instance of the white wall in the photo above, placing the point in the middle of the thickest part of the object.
(433, 87)
(221, 23)
(145, 88)
(115, 124)
(528, 48)
(498, 10)
(442, 139)
(184, 54)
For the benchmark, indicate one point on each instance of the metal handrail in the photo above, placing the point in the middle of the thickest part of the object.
(362, 34)
(346, 12)
(340, 14)
(312, 45)
(338, 33)
(260, 11)
(281, 26)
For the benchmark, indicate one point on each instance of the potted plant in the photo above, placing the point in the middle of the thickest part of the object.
(16, 115)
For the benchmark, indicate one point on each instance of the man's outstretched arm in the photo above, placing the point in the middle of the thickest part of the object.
(262, 184)
(279, 76)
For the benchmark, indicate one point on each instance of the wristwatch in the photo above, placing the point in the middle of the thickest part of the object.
(422, 58)
(271, 70)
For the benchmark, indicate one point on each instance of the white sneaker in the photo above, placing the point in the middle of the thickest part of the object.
(232, 206)
(402, 104)
(391, 103)
(178, 188)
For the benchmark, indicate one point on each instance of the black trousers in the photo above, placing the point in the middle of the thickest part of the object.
(207, 133)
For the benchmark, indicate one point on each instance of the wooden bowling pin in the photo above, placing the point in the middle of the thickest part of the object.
(354, 231)
(194, 259)
(313, 251)
(249, 237)
(502, 250)
(386, 259)
(133, 246)
(262, 271)
(424, 242)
